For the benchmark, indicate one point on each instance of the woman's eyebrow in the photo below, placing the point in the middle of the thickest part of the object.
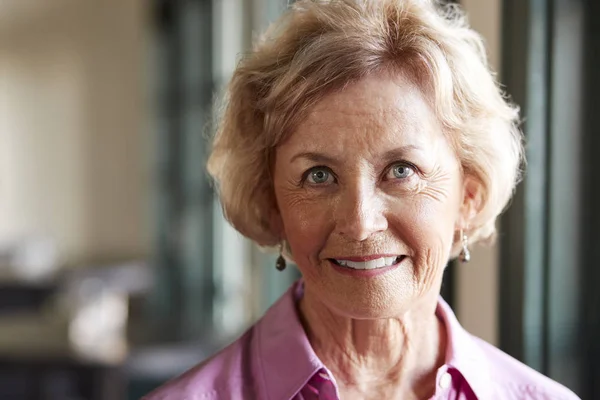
(401, 152)
(390, 155)
(315, 157)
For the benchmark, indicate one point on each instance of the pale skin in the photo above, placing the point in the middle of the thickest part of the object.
(369, 172)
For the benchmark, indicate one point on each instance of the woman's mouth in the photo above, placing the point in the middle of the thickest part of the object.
(375, 263)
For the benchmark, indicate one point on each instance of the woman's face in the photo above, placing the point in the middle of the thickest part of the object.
(369, 193)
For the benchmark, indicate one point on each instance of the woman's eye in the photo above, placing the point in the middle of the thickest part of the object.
(400, 171)
(319, 176)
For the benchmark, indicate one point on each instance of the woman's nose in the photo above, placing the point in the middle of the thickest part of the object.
(360, 213)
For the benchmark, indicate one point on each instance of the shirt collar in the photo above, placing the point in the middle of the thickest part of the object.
(464, 354)
(286, 360)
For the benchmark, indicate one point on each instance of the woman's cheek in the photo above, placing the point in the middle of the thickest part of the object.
(306, 220)
(421, 221)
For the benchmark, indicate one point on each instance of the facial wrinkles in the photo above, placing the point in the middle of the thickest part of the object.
(444, 170)
(430, 260)
(433, 191)
(300, 213)
(431, 207)
(356, 128)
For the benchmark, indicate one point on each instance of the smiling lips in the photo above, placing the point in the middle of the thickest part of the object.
(380, 262)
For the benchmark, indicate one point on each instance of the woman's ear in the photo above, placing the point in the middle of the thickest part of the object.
(472, 202)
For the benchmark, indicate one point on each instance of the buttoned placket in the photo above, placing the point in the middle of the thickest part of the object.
(443, 384)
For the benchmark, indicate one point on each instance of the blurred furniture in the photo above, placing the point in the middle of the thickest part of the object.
(66, 339)
(18, 296)
(58, 378)
(50, 376)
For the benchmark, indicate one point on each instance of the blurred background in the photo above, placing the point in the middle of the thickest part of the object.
(117, 270)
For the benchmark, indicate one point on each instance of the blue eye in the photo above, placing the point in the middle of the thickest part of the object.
(401, 171)
(319, 176)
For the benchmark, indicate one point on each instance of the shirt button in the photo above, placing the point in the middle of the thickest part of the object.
(445, 381)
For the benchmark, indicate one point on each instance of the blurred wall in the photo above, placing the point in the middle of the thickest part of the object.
(477, 281)
(72, 133)
(72, 119)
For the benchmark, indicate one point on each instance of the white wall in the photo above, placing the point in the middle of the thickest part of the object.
(72, 126)
(477, 282)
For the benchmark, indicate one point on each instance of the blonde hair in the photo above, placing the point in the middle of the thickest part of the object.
(318, 47)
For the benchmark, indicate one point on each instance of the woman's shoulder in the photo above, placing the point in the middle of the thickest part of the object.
(255, 364)
(512, 376)
(225, 375)
(490, 372)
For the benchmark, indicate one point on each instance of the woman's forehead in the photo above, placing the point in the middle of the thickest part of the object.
(382, 90)
(381, 109)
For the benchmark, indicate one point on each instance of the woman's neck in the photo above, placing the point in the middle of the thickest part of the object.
(378, 358)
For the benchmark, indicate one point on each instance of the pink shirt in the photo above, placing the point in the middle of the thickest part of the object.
(274, 360)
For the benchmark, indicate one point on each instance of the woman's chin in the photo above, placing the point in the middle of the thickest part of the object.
(377, 299)
(384, 292)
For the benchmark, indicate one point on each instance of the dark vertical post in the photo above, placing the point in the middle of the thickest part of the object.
(565, 191)
(523, 244)
(184, 294)
(197, 90)
(165, 304)
(542, 247)
(590, 204)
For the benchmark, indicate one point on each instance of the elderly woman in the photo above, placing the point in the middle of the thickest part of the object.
(371, 143)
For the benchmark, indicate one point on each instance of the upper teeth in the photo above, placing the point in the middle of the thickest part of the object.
(371, 264)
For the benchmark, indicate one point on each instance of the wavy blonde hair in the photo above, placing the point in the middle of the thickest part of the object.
(318, 47)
